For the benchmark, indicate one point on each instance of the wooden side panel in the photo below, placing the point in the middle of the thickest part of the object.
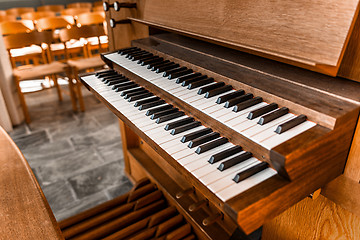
(313, 219)
(352, 169)
(122, 35)
(299, 31)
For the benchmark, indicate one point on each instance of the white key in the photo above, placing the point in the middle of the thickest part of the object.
(237, 188)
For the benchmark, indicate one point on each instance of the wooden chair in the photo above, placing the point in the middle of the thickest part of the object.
(98, 4)
(54, 24)
(79, 5)
(52, 8)
(89, 61)
(37, 15)
(74, 12)
(2, 12)
(47, 68)
(23, 54)
(19, 11)
(4, 18)
(98, 9)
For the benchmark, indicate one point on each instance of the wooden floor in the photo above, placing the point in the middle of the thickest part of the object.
(76, 157)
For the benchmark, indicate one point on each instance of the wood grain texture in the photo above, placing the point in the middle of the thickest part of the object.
(352, 169)
(296, 30)
(24, 211)
(313, 220)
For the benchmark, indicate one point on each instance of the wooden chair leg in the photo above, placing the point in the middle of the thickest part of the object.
(71, 88)
(78, 88)
(54, 78)
(22, 100)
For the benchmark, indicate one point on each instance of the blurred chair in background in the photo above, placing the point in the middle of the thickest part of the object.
(34, 16)
(46, 68)
(79, 5)
(98, 4)
(52, 8)
(74, 12)
(24, 54)
(98, 9)
(4, 18)
(89, 62)
(18, 11)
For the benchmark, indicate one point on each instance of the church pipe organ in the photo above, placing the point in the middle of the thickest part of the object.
(236, 111)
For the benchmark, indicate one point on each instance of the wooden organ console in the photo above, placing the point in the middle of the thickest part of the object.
(240, 113)
(237, 111)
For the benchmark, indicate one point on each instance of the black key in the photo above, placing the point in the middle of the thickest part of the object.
(248, 103)
(234, 161)
(97, 74)
(218, 91)
(133, 54)
(194, 135)
(122, 80)
(159, 109)
(164, 64)
(175, 70)
(234, 101)
(136, 58)
(168, 67)
(179, 74)
(250, 172)
(156, 64)
(127, 50)
(149, 57)
(124, 86)
(211, 87)
(185, 127)
(141, 102)
(109, 78)
(274, 115)
(151, 104)
(169, 117)
(200, 83)
(201, 140)
(290, 124)
(127, 83)
(178, 123)
(164, 113)
(210, 145)
(224, 154)
(139, 89)
(193, 80)
(261, 111)
(151, 61)
(113, 78)
(229, 96)
(135, 93)
(186, 77)
(105, 75)
(141, 96)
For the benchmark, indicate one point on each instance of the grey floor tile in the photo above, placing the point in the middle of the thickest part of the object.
(79, 206)
(120, 189)
(19, 130)
(67, 165)
(111, 152)
(31, 140)
(59, 195)
(71, 128)
(96, 180)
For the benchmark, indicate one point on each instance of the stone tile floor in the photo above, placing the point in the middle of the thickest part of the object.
(76, 157)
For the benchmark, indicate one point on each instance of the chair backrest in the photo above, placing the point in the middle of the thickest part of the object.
(79, 5)
(98, 9)
(20, 40)
(52, 23)
(53, 8)
(19, 11)
(98, 4)
(74, 11)
(4, 18)
(91, 18)
(37, 15)
(81, 32)
(13, 27)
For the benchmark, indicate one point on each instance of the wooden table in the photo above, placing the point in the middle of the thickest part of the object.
(24, 210)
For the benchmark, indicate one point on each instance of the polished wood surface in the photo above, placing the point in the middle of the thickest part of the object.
(296, 32)
(24, 211)
(313, 219)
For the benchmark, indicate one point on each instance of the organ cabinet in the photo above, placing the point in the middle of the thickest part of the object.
(243, 113)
